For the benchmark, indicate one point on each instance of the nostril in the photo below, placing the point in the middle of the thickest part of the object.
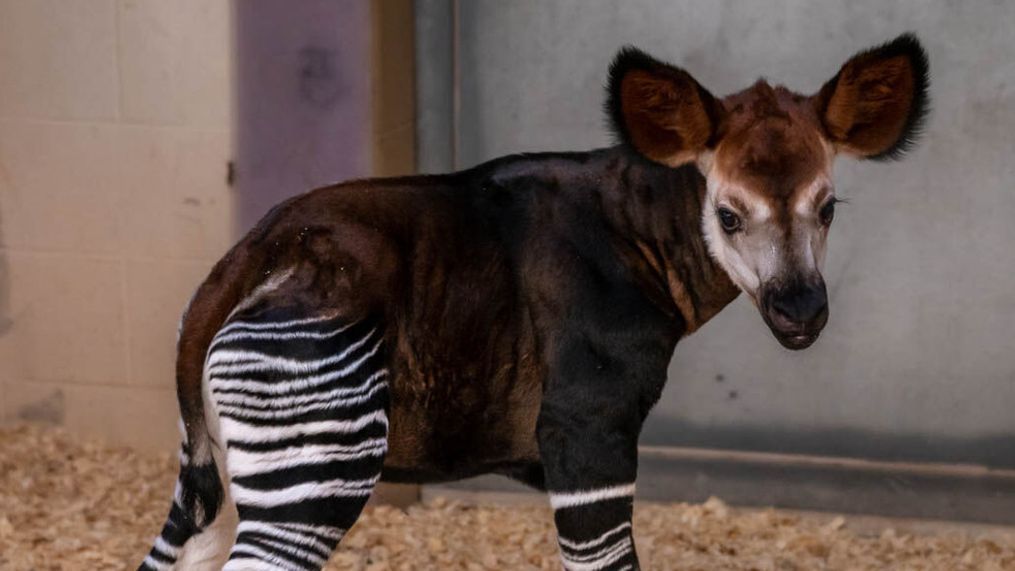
(802, 306)
(785, 311)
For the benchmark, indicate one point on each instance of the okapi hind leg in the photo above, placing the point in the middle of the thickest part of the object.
(302, 403)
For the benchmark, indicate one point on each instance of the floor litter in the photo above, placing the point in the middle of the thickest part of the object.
(70, 504)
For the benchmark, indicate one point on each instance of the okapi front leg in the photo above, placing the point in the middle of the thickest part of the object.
(303, 409)
(591, 464)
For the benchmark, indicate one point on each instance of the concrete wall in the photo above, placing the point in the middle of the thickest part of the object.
(116, 131)
(917, 361)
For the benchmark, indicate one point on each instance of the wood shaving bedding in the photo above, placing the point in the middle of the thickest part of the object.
(72, 504)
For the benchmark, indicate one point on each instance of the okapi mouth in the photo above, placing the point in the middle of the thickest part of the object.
(796, 342)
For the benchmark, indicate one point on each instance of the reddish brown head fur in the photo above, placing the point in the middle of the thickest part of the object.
(771, 139)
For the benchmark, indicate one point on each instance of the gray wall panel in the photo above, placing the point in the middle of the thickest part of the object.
(434, 86)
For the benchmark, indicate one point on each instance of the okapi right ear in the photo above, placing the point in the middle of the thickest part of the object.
(659, 109)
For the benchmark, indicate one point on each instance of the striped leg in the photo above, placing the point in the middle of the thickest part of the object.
(302, 407)
(590, 462)
(594, 528)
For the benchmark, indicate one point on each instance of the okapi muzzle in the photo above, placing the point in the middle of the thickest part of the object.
(795, 311)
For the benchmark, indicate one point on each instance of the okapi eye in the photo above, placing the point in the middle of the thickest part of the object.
(729, 220)
(827, 212)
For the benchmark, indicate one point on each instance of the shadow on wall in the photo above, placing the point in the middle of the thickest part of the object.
(302, 99)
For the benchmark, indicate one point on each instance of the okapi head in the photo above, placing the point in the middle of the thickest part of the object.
(766, 154)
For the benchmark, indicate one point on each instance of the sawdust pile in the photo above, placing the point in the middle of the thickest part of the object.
(67, 504)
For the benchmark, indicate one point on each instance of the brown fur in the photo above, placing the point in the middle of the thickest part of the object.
(666, 117)
(866, 111)
(771, 142)
(660, 109)
(875, 106)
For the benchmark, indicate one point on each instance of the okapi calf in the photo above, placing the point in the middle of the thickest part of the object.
(516, 318)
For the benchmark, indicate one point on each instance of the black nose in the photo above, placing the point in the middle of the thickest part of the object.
(800, 305)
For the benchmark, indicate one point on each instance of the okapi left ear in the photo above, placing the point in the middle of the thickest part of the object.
(875, 106)
(659, 109)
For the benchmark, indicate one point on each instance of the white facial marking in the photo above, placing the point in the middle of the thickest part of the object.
(761, 210)
(738, 269)
(759, 251)
(808, 201)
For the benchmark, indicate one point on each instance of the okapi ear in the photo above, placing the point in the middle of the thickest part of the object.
(875, 106)
(659, 109)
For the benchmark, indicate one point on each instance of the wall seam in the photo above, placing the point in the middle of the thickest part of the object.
(125, 323)
(119, 63)
(101, 384)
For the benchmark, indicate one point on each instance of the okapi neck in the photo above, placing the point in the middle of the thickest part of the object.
(656, 210)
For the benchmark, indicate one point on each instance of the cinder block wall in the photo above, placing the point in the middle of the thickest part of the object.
(115, 136)
(114, 142)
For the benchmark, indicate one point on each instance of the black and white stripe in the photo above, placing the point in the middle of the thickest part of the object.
(179, 527)
(302, 406)
(176, 531)
(594, 528)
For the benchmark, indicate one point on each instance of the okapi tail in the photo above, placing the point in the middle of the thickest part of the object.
(196, 501)
(199, 494)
